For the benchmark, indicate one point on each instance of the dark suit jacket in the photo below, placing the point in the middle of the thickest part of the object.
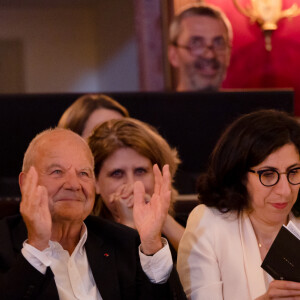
(112, 251)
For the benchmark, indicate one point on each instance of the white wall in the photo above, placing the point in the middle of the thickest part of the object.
(65, 50)
(118, 57)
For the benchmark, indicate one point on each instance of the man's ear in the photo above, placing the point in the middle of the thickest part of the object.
(228, 57)
(173, 56)
(21, 179)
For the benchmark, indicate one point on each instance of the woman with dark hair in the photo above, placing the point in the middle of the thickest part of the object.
(248, 192)
(90, 110)
(125, 151)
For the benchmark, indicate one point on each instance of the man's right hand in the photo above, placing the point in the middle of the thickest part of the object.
(122, 200)
(35, 211)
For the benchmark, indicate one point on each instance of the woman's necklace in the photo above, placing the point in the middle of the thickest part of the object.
(263, 248)
(269, 241)
(260, 245)
(266, 246)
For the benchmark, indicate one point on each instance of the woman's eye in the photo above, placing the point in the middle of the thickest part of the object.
(140, 171)
(116, 173)
(268, 174)
(294, 171)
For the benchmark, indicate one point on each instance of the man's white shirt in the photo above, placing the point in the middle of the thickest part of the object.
(73, 275)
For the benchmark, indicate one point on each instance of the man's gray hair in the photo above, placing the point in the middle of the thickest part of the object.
(198, 9)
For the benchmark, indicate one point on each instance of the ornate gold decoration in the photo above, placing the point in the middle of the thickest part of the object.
(267, 13)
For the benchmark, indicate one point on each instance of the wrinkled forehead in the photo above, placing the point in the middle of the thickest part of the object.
(64, 145)
(202, 26)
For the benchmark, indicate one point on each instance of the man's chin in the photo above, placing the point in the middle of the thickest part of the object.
(69, 216)
(202, 84)
(66, 210)
(208, 83)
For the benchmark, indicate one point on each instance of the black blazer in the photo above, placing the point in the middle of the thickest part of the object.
(112, 251)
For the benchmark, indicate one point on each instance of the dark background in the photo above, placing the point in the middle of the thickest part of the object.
(191, 122)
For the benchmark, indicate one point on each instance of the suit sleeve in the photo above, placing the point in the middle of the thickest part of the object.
(170, 290)
(18, 278)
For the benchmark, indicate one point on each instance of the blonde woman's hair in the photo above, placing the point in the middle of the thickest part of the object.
(76, 115)
(131, 133)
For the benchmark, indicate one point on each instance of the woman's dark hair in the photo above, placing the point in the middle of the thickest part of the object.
(247, 142)
(76, 115)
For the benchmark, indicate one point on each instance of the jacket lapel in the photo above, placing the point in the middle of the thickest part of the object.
(102, 260)
(295, 220)
(252, 258)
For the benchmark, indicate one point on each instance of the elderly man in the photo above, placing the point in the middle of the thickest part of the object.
(200, 46)
(57, 251)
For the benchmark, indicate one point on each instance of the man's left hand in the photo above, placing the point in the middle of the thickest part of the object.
(149, 217)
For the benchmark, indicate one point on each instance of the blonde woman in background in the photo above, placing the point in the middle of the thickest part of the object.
(89, 111)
